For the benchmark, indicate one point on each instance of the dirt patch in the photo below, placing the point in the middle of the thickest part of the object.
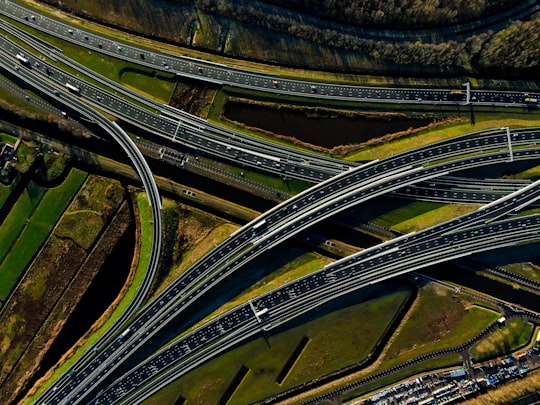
(193, 97)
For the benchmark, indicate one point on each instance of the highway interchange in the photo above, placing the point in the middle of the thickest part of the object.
(447, 149)
(281, 222)
(469, 234)
(178, 126)
(335, 193)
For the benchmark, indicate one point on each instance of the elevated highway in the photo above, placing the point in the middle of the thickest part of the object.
(175, 126)
(162, 310)
(410, 180)
(476, 232)
(140, 165)
(198, 134)
(493, 140)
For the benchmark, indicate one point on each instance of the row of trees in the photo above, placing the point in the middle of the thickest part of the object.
(396, 13)
(511, 51)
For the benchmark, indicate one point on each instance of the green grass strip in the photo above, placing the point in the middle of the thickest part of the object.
(6, 190)
(39, 226)
(18, 217)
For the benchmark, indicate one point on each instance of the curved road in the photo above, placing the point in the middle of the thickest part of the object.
(144, 173)
(470, 234)
(304, 218)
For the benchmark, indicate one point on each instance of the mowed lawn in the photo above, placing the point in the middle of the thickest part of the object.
(32, 231)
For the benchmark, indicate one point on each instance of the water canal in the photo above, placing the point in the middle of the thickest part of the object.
(322, 128)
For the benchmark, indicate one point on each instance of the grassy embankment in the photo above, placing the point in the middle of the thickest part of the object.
(457, 319)
(407, 216)
(12, 227)
(431, 136)
(14, 99)
(188, 235)
(515, 334)
(524, 270)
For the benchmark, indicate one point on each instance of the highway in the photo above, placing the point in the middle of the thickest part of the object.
(160, 312)
(460, 190)
(477, 144)
(189, 130)
(456, 238)
(414, 173)
(445, 149)
(174, 126)
(144, 173)
(226, 75)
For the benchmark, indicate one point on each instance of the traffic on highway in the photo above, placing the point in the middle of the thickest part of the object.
(456, 238)
(227, 75)
(339, 185)
(262, 236)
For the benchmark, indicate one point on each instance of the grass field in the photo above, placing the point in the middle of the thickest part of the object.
(140, 272)
(515, 334)
(18, 217)
(336, 339)
(85, 219)
(37, 229)
(455, 320)
(7, 190)
(409, 215)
